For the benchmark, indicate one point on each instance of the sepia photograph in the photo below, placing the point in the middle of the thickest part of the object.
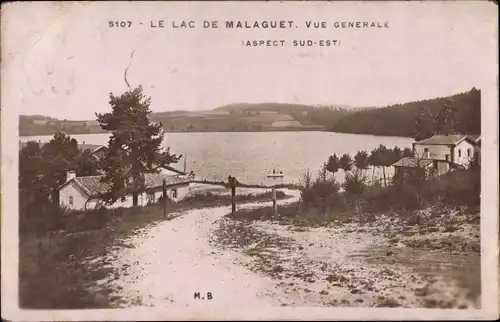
(217, 162)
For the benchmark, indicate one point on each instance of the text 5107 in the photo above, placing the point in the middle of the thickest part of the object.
(120, 24)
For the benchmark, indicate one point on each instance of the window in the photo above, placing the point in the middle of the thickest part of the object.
(426, 149)
(469, 152)
(174, 193)
(459, 153)
(71, 200)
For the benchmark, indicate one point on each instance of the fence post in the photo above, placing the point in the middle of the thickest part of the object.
(275, 204)
(164, 199)
(232, 184)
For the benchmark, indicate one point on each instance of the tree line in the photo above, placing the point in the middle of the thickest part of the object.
(399, 119)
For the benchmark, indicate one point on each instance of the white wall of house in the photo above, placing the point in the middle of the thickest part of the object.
(434, 151)
(175, 193)
(72, 197)
(464, 152)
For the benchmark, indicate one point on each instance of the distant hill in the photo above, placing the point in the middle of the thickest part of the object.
(395, 120)
(241, 117)
(399, 119)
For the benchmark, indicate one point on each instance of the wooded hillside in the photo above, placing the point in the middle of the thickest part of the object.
(399, 119)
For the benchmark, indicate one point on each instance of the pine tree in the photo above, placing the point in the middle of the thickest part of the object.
(446, 119)
(332, 164)
(361, 160)
(135, 145)
(424, 125)
(345, 162)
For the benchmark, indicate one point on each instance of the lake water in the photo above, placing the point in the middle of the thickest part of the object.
(250, 156)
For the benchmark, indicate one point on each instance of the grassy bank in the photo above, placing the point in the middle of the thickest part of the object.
(55, 270)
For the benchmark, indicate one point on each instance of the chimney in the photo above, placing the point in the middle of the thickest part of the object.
(70, 175)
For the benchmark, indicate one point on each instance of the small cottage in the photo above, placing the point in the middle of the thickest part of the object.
(415, 167)
(82, 193)
(458, 149)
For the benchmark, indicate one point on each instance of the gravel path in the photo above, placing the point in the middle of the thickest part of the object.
(167, 263)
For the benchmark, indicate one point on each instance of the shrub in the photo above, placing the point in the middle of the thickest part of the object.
(459, 187)
(320, 193)
(355, 186)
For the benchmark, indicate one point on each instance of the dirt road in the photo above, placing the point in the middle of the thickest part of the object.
(166, 264)
(261, 264)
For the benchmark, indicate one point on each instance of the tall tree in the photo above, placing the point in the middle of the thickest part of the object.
(345, 162)
(382, 157)
(332, 164)
(446, 118)
(361, 160)
(424, 125)
(135, 146)
(58, 156)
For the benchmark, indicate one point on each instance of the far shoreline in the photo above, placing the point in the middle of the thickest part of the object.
(264, 131)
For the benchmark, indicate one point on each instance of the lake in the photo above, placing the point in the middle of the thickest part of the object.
(250, 156)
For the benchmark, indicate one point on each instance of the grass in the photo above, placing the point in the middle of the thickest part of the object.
(295, 214)
(54, 272)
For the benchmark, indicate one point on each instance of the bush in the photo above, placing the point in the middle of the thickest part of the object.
(355, 186)
(320, 193)
(456, 188)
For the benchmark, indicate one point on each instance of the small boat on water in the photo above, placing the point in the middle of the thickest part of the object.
(276, 174)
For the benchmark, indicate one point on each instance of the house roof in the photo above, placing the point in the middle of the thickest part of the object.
(411, 162)
(474, 137)
(92, 147)
(174, 170)
(451, 139)
(93, 186)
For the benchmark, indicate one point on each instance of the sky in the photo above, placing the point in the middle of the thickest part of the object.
(63, 60)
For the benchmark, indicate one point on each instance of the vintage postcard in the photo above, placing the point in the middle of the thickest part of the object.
(249, 160)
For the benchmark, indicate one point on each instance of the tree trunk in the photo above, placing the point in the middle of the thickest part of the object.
(383, 171)
(135, 199)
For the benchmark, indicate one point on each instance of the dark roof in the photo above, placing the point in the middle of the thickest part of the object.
(451, 139)
(174, 170)
(411, 162)
(93, 186)
(91, 147)
(474, 137)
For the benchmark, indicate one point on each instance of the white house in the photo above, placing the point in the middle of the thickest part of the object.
(439, 154)
(82, 193)
(458, 149)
